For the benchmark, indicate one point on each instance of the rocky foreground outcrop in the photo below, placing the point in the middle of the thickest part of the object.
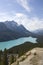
(33, 57)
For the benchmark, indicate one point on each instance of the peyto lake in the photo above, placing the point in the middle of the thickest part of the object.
(9, 44)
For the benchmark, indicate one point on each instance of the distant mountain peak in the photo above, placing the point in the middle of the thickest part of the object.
(39, 31)
(11, 22)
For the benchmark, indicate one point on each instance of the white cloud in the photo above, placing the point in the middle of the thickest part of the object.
(31, 24)
(35, 24)
(24, 4)
(6, 16)
(19, 17)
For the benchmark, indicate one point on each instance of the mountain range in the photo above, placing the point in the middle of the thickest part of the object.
(10, 30)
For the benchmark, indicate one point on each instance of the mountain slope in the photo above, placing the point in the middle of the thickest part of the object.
(33, 59)
(5, 33)
(18, 28)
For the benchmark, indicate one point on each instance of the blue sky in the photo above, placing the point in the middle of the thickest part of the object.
(26, 12)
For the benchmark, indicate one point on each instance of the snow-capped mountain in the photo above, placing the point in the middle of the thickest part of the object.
(11, 24)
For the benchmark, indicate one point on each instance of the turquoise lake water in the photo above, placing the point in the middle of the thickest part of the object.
(9, 44)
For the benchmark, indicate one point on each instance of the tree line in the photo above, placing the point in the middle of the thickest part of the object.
(4, 60)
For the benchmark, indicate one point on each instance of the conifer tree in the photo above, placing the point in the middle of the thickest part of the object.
(5, 59)
(11, 59)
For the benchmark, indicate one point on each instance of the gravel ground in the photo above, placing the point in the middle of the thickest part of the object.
(33, 58)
